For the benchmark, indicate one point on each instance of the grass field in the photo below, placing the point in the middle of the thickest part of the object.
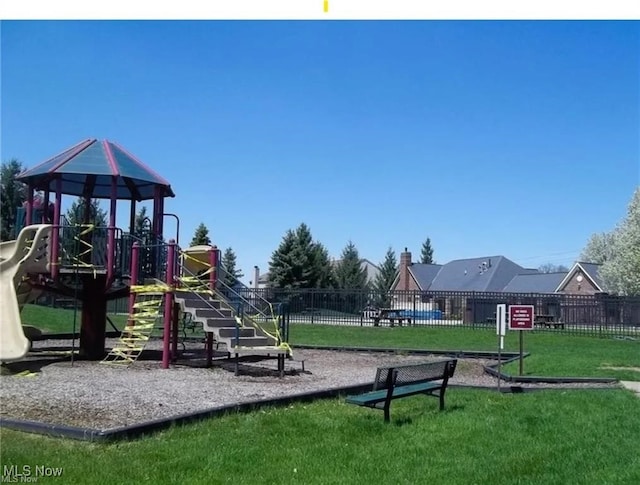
(542, 437)
(60, 320)
(551, 354)
(546, 437)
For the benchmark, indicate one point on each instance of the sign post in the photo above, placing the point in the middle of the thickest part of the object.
(521, 318)
(501, 327)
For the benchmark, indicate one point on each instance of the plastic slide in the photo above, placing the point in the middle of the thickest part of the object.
(27, 254)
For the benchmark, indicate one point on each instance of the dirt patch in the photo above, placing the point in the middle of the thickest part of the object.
(98, 396)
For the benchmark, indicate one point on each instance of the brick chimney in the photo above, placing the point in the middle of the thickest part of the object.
(256, 277)
(405, 262)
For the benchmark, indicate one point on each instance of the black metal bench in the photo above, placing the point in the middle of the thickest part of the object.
(397, 381)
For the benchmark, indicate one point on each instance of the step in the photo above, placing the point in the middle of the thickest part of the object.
(265, 350)
(227, 332)
(220, 322)
(252, 342)
(213, 313)
(198, 303)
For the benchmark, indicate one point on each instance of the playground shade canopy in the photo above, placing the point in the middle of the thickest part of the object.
(88, 168)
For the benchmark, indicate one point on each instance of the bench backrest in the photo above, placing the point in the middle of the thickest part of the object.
(399, 375)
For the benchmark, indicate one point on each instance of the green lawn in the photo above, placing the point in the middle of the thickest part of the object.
(546, 437)
(60, 320)
(551, 354)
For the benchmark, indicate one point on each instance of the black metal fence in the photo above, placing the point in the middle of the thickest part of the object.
(598, 314)
(593, 315)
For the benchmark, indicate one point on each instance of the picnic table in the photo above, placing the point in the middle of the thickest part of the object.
(389, 314)
(548, 321)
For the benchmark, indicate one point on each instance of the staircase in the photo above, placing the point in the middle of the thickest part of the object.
(240, 334)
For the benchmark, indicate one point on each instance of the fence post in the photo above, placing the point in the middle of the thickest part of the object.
(312, 306)
(413, 314)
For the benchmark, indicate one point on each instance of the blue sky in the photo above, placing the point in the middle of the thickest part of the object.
(492, 138)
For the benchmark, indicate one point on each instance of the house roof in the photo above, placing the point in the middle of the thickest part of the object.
(87, 169)
(424, 274)
(591, 270)
(535, 283)
(490, 273)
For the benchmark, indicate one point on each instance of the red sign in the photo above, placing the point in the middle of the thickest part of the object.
(521, 317)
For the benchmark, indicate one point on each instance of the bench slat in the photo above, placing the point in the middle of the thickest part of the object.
(404, 391)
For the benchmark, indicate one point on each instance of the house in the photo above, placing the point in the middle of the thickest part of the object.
(582, 279)
(486, 274)
(495, 274)
(424, 287)
(535, 282)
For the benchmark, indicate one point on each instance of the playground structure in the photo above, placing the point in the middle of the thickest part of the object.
(94, 265)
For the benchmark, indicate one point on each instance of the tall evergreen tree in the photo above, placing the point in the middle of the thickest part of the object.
(323, 270)
(300, 262)
(232, 274)
(385, 278)
(304, 253)
(76, 216)
(426, 254)
(12, 196)
(201, 236)
(141, 223)
(282, 264)
(349, 272)
(78, 240)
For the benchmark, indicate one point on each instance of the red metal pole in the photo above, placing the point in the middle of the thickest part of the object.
(55, 236)
(135, 258)
(168, 304)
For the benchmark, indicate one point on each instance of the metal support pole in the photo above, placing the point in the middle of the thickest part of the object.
(177, 225)
(29, 215)
(209, 348)
(174, 331)
(135, 258)
(521, 350)
(168, 304)
(45, 206)
(111, 237)
(55, 236)
(132, 217)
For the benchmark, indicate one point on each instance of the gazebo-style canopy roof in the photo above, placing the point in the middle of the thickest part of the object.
(87, 169)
